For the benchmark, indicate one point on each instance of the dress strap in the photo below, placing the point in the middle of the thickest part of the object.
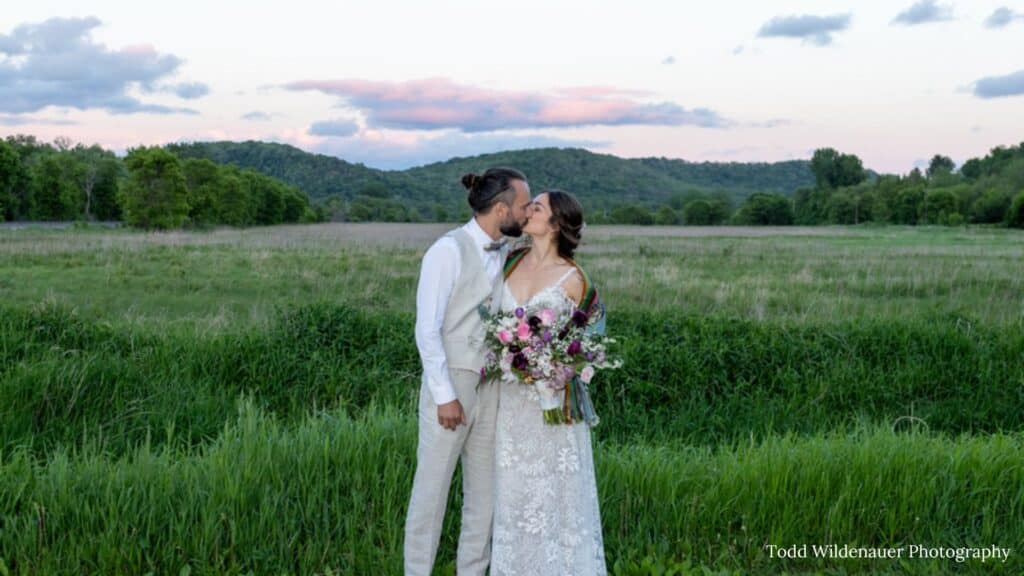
(564, 276)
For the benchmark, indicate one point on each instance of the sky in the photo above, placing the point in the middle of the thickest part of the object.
(400, 84)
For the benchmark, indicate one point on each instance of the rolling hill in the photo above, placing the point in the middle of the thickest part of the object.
(600, 180)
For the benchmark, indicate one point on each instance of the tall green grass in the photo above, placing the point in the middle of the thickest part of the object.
(330, 492)
(65, 378)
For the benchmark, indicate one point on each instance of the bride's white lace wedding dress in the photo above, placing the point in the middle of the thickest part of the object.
(546, 517)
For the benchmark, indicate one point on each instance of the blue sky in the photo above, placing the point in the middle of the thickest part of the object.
(396, 84)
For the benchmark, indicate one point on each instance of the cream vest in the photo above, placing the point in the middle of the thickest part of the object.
(462, 333)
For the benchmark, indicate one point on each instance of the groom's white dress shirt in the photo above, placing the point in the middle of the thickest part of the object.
(440, 268)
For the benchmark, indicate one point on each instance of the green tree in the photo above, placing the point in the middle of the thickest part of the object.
(680, 200)
(765, 209)
(1015, 215)
(883, 202)
(971, 169)
(666, 216)
(915, 178)
(631, 214)
(155, 195)
(317, 213)
(991, 207)
(824, 163)
(202, 180)
(296, 206)
(698, 213)
(842, 208)
(721, 209)
(938, 206)
(12, 175)
(98, 181)
(833, 170)
(268, 195)
(374, 190)
(234, 205)
(55, 195)
(940, 165)
(850, 171)
(335, 209)
(908, 205)
(810, 205)
(30, 151)
(440, 213)
(105, 191)
(371, 209)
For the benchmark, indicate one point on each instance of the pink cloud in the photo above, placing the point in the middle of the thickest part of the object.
(598, 91)
(439, 103)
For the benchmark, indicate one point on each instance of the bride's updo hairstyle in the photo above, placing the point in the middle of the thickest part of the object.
(494, 186)
(567, 218)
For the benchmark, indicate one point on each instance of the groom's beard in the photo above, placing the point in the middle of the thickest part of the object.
(511, 229)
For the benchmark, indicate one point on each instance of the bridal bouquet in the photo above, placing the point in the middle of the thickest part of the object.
(559, 356)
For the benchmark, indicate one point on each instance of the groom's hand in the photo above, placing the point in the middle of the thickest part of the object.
(450, 415)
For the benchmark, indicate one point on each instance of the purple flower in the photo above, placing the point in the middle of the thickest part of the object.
(574, 348)
(483, 372)
(588, 355)
(546, 337)
(520, 312)
(519, 361)
(563, 333)
(579, 318)
(535, 323)
(514, 348)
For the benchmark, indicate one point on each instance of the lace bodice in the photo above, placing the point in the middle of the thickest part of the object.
(553, 296)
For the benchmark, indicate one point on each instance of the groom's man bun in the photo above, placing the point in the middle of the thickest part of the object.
(495, 185)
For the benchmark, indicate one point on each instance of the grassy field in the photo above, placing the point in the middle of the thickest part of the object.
(241, 401)
(232, 277)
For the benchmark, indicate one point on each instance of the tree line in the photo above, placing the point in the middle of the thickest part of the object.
(149, 188)
(987, 190)
(176, 185)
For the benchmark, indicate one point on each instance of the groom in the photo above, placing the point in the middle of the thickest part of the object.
(457, 411)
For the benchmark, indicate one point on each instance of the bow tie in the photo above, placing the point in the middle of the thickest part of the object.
(497, 245)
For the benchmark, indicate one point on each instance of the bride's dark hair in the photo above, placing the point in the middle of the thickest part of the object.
(567, 218)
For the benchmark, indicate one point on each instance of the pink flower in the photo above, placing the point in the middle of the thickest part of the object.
(505, 336)
(523, 331)
(547, 316)
(587, 374)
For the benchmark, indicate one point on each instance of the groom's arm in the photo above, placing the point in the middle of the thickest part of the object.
(438, 272)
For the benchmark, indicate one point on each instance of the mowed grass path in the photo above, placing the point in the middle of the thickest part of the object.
(241, 401)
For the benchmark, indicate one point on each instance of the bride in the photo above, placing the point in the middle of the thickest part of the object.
(546, 517)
